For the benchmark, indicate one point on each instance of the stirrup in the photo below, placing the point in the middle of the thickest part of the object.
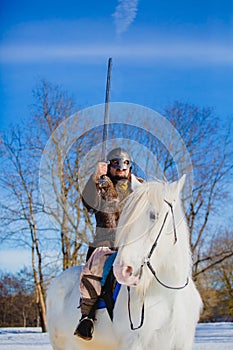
(85, 328)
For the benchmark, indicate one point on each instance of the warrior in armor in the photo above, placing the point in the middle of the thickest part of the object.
(103, 196)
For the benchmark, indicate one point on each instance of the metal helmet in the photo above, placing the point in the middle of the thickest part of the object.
(119, 159)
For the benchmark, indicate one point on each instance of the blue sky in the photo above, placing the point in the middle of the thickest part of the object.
(162, 51)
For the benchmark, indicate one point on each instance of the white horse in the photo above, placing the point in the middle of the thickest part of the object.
(163, 307)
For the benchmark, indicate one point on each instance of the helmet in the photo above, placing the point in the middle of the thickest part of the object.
(119, 159)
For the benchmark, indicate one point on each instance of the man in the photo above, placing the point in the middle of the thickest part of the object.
(104, 196)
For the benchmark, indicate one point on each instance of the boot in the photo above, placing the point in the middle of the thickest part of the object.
(85, 328)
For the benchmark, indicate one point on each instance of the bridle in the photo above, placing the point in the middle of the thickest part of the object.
(147, 263)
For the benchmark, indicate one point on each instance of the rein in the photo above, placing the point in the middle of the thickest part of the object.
(130, 318)
(147, 262)
(147, 259)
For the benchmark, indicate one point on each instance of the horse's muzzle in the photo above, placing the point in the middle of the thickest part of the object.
(125, 275)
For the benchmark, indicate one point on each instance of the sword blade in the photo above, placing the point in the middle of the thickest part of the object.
(106, 112)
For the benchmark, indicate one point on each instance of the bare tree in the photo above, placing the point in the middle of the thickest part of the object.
(215, 282)
(210, 149)
(21, 206)
(24, 216)
(61, 159)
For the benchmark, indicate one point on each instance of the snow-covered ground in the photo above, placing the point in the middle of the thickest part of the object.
(209, 336)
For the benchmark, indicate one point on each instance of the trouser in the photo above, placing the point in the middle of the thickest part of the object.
(90, 285)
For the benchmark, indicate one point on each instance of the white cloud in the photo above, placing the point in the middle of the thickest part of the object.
(125, 14)
(184, 52)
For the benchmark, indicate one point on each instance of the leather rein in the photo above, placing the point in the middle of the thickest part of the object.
(148, 263)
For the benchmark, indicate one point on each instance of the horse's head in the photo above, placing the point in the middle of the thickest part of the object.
(149, 228)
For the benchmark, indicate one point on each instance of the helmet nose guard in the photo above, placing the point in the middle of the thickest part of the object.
(119, 159)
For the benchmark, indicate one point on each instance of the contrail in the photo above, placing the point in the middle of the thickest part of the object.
(125, 14)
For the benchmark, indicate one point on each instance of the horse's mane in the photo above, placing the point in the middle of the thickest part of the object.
(135, 203)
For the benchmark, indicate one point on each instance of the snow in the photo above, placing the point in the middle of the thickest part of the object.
(214, 336)
(24, 338)
(209, 336)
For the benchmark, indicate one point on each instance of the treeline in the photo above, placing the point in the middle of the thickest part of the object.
(45, 162)
(216, 287)
(18, 303)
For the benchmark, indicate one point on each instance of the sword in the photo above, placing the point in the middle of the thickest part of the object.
(106, 112)
(103, 179)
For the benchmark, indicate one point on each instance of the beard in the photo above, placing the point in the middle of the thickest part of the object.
(120, 177)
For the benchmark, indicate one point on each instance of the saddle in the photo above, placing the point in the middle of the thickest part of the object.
(110, 287)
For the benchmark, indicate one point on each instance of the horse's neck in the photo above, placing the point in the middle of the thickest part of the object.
(178, 264)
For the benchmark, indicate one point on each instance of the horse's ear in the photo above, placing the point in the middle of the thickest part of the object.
(135, 184)
(181, 182)
(174, 189)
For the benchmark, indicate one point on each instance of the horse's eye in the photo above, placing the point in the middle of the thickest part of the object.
(152, 215)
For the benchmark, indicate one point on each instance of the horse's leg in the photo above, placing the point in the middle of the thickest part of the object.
(74, 343)
(57, 342)
(185, 342)
(188, 308)
(137, 344)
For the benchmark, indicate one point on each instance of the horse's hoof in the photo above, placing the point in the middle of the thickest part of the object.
(85, 328)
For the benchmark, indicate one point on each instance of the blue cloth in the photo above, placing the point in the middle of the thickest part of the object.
(102, 305)
(107, 267)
